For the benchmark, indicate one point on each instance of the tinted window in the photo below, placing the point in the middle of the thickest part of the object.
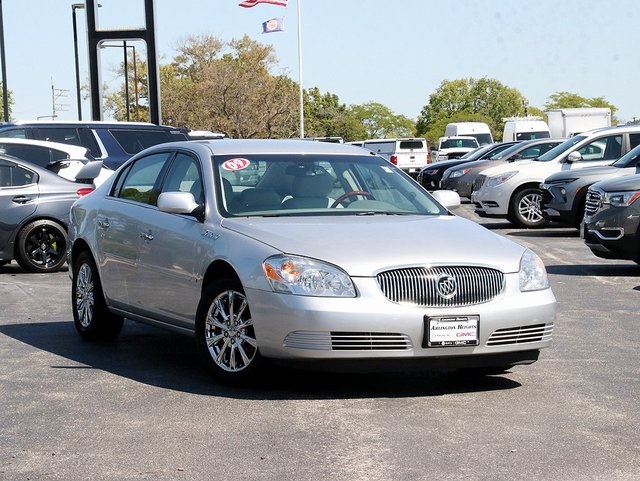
(458, 143)
(634, 140)
(133, 141)
(65, 135)
(31, 153)
(142, 180)
(532, 135)
(14, 133)
(15, 176)
(411, 144)
(630, 159)
(604, 148)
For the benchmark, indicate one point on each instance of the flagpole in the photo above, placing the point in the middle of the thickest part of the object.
(300, 74)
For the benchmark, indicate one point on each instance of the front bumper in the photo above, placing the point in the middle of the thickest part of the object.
(614, 233)
(307, 328)
(491, 201)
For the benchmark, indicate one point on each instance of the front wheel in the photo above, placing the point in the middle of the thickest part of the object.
(525, 210)
(41, 246)
(91, 316)
(225, 334)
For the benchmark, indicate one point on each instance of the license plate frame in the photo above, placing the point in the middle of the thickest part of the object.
(451, 331)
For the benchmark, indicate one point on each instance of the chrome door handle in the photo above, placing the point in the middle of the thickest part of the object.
(104, 223)
(146, 236)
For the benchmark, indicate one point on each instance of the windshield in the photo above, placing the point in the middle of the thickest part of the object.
(560, 149)
(311, 185)
(630, 159)
(458, 143)
(483, 139)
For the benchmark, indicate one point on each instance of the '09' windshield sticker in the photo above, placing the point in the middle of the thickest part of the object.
(238, 163)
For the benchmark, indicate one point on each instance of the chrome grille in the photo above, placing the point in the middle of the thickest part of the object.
(347, 341)
(477, 184)
(593, 202)
(419, 285)
(521, 335)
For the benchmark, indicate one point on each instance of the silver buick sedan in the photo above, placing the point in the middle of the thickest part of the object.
(301, 251)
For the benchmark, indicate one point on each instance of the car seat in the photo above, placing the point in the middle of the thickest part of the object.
(310, 190)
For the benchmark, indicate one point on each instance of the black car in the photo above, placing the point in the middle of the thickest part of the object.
(429, 177)
(612, 218)
(35, 204)
(112, 142)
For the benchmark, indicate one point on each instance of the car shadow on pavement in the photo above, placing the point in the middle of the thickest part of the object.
(164, 359)
(548, 232)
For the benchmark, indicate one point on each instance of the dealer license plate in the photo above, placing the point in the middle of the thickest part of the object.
(451, 331)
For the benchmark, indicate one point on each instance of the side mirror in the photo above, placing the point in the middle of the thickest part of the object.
(574, 156)
(448, 198)
(178, 203)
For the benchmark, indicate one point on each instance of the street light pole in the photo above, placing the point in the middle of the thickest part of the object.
(75, 51)
(126, 76)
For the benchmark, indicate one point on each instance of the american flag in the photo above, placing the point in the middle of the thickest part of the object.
(253, 3)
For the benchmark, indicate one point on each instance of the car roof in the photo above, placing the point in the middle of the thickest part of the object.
(270, 146)
(46, 175)
(81, 123)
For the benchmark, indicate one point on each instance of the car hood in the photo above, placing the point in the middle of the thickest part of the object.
(508, 166)
(366, 245)
(622, 184)
(601, 172)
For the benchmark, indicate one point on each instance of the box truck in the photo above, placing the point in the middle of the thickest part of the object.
(569, 122)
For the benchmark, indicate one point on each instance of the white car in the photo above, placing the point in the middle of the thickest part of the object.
(66, 160)
(512, 190)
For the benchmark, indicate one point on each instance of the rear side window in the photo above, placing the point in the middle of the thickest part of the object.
(38, 155)
(69, 135)
(133, 141)
(15, 176)
(412, 144)
(14, 133)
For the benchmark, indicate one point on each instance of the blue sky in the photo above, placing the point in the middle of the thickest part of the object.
(393, 52)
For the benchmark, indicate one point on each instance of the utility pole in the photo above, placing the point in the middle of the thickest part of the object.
(55, 95)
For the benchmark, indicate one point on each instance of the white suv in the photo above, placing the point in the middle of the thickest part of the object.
(513, 190)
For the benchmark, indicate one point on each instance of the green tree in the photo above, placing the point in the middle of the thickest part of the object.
(325, 116)
(568, 100)
(469, 99)
(380, 121)
(10, 103)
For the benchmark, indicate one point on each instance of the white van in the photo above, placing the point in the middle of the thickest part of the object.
(408, 154)
(525, 128)
(479, 130)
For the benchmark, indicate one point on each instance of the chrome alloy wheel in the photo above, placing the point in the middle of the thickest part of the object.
(229, 332)
(529, 208)
(85, 295)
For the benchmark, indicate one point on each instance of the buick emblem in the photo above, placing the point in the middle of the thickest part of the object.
(447, 286)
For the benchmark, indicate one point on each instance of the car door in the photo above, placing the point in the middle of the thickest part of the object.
(118, 225)
(18, 201)
(167, 285)
(600, 151)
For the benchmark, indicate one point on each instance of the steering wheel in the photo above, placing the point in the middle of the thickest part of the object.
(352, 193)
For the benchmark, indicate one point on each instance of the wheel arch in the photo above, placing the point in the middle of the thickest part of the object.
(80, 245)
(218, 269)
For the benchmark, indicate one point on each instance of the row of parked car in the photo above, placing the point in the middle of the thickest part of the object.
(45, 167)
(586, 181)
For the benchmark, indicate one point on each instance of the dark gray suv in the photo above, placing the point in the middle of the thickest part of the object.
(112, 142)
(612, 218)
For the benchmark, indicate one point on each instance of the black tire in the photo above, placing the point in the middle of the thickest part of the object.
(92, 318)
(524, 209)
(41, 246)
(225, 335)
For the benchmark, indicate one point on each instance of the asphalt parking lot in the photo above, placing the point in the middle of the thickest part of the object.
(142, 408)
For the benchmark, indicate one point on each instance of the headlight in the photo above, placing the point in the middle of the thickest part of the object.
(307, 277)
(459, 173)
(499, 179)
(620, 199)
(533, 275)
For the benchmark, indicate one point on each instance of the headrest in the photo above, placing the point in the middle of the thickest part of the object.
(316, 185)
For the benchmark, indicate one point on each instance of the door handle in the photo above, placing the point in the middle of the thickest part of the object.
(104, 223)
(21, 199)
(146, 236)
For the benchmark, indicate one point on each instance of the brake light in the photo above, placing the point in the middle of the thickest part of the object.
(394, 159)
(428, 158)
(84, 191)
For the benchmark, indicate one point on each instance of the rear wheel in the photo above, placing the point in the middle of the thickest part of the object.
(225, 334)
(41, 246)
(525, 210)
(92, 318)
